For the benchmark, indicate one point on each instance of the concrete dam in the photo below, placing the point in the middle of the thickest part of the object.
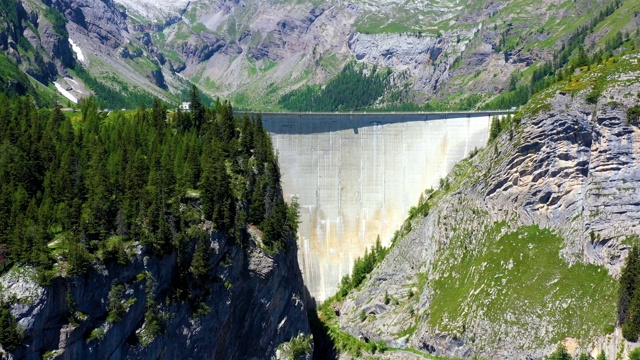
(357, 175)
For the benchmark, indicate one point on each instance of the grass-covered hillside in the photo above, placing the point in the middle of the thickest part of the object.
(521, 246)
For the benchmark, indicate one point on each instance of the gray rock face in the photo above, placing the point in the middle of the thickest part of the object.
(50, 54)
(573, 168)
(415, 53)
(256, 303)
(100, 20)
(201, 48)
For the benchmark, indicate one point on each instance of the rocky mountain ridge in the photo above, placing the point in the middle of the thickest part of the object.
(254, 52)
(522, 243)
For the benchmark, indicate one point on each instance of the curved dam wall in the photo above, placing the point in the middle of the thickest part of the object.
(357, 175)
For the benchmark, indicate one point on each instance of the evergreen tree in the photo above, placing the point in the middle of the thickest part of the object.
(560, 353)
(628, 283)
(10, 338)
(200, 266)
(116, 307)
(197, 109)
(98, 183)
(496, 128)
(601, 356)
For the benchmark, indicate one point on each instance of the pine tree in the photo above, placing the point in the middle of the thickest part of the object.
(200, 266)
(628, 283)
(116, 307)
(496, 128)
(9, 336)
(197, 109)
(560, 353)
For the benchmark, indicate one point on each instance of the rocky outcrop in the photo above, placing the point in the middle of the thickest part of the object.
(201, 48)
(100, 20)
(570, 167)
(157, 78)
(32, 41)
(255, 298)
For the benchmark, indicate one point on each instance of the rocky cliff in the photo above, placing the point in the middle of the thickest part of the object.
(255, 304)
(257, 51)
(254, 52)
(522, 243)
(36, 40)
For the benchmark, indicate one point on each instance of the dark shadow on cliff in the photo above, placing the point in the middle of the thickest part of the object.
(323, 345)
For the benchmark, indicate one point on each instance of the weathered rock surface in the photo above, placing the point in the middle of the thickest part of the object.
(571, 167)
(310, 43)
(256, 51)
(256, 303)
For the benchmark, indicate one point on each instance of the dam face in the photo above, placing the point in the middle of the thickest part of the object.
(357, 175)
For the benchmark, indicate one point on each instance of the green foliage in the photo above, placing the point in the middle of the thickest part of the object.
(629, 296)
(116, 306)
(422, 209)
(601, 356)
(361, 268)
(496, 128)
(115, 248)
(96, 334)
(58, 21)
(200, 265)
(12, 80)
(560, 353)
(296, 348)
(153, 322)
(505, 274)
(86, 190)
(634, 354)
(352, 89)
(592, 97)
(633, 115)
(110, 97)
(572, 55)
(79, 259)
(10, 337)
(330, 340)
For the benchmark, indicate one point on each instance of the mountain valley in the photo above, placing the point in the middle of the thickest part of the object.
(134, 228)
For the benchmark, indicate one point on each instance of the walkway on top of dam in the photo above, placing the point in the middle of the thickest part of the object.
(289, 122)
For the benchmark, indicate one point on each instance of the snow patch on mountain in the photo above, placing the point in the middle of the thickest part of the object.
(76, 49)
(66, 93)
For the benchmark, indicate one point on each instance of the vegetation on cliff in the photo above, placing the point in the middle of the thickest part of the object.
(362, 88)
(79, 190)
(487, 282)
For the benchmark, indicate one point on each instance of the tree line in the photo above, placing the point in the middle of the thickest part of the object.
(569, 57)
(352, 89)
(629, 296)
(143, 176)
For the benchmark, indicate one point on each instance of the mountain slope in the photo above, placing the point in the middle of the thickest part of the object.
(522, 243)
(254, 52)
(460, 55)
